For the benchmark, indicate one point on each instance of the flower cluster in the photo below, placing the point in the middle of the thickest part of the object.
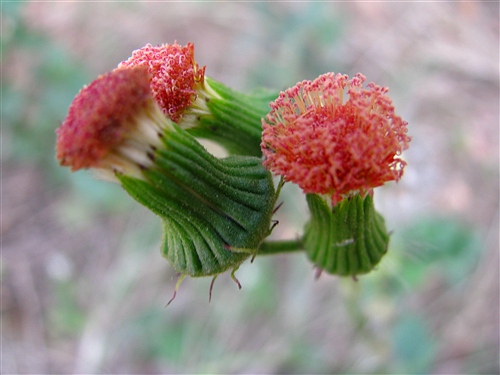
(215, 212)
(174, 75)
(328, 145)
(334, 137)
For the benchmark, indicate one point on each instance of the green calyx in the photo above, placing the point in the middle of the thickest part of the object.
(233, 119)
(215, 212)
(348, 239)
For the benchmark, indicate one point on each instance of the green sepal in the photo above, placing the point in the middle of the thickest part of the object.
(208, 206)
(348, 239)
(235, 119)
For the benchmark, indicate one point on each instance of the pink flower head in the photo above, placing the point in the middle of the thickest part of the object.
(102, 118)
(174, 75)
(326, 145)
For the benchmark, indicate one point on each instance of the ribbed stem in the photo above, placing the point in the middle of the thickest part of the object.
(280, 246)
(348, 239)
(215, 212)
(235, 119)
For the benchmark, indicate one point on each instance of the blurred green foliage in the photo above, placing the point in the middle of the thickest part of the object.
(297, 37)
(414, 347)
(438, 245)
(426, 248)
(32, 112)
(445, 247)
(69, 318)
(35, 101)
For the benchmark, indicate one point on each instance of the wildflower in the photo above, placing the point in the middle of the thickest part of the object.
(175, 75)
(326, 145)
(337, 141)
(204, 107)
(112, 125)
(215, 212)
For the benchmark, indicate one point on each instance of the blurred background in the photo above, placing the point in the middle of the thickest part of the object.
(84, 286)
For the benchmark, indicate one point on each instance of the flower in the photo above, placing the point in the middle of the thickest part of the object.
(326, 145)
(215, 212)
(112, 125)
(174, 75)
(202, 106)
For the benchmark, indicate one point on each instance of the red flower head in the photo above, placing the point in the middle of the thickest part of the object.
(174, 75)
(327, 146)
(110, 124)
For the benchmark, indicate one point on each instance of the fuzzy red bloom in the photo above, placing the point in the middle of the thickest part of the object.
(327, 146)
(101, 118)
(174, 75)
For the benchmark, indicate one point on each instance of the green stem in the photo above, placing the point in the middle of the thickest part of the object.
(280, 246)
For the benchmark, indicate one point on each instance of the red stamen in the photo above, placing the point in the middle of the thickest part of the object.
(327, 145)
(100, 117)
(174, 75)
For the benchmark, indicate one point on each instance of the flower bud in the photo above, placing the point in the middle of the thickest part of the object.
(204, 107)
(337, 141)
(215, 212)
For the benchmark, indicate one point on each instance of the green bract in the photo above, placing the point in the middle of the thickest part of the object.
(229, 118)
(347, 239)
(215, 212)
